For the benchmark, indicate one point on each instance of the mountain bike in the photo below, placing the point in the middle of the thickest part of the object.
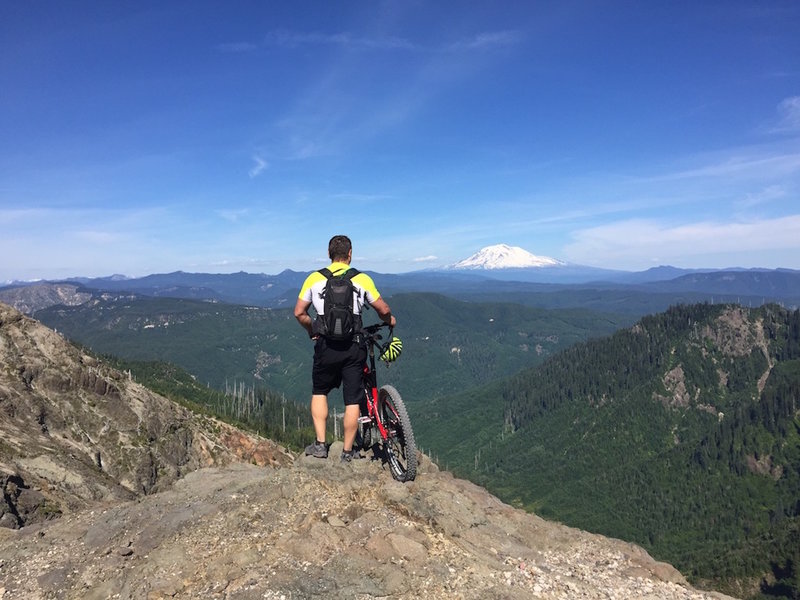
(384, 425)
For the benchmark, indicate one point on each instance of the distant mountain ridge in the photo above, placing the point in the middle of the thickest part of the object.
(638, 294)
(494, 273)
(255, 289)
(780, 283)
(499, 261)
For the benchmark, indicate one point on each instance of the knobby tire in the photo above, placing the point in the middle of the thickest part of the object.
(400, 447)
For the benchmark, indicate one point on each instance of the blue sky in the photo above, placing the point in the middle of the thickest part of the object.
(140, 137)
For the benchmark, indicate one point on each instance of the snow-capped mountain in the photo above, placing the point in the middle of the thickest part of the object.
(503, 256)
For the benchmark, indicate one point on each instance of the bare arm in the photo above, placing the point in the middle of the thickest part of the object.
(302, 316)
(384, 312)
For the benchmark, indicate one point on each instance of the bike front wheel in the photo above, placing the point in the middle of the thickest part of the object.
(399, 444)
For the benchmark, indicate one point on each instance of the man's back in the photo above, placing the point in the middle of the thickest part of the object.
(314, 286)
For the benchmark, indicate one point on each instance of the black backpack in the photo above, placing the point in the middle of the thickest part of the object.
(338, 321)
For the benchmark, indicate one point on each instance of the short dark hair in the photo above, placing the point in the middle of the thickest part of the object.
(339, 247)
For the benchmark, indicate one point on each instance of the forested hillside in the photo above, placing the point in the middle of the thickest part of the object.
(448, 345)
(681, 433)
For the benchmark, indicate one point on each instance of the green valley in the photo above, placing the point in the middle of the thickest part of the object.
(449, 345)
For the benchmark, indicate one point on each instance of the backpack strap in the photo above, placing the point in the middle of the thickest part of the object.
(352, 272)
(349, 274)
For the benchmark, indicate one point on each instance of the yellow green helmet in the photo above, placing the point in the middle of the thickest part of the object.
(392, 350)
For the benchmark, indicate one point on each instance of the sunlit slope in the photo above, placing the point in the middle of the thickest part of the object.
(681, 433)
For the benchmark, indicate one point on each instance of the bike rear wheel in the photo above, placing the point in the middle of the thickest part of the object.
(399, 445)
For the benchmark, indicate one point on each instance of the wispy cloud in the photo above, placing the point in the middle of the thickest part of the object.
(55, 242)
(237, 47)
(11, 216)
(751, 165)
(765, 196)
(789, 115)
(422, 259)
(260, 166)
(488, 39)
(293, 39)
(782, 74)
(101, 238)
(351, 103)
(232, 215)
(355, 198)
(239, 262)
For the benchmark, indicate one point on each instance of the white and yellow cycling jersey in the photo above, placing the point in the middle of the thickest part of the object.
(365, 290)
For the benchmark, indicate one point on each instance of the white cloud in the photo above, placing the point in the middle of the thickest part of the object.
(640, 243)
(429, 258)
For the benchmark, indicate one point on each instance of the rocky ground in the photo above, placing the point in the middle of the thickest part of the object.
(320, 528)
(75, 432)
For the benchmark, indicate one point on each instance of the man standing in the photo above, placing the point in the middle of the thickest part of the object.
(337, 361)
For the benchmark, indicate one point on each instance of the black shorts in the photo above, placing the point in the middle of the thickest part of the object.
(336, 363)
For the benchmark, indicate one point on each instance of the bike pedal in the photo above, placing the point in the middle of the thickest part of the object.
(364, 419)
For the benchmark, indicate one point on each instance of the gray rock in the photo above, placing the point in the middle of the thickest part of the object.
(243, 531)
(75, 433)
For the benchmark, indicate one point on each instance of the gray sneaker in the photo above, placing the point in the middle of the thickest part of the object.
(351, 455)
(317, 450)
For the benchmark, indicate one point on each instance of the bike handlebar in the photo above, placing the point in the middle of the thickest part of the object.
(373, 329)
(372, 334)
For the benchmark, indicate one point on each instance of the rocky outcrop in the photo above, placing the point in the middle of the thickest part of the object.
(324, 529)
(30, 298)
(74, 432)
